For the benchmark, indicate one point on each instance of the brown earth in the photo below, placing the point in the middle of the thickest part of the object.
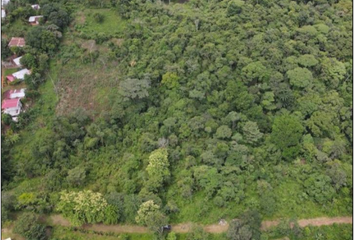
(179, 228)
(59, 220)
(186, 227)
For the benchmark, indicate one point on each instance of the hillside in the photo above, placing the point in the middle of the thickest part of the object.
(158, 113)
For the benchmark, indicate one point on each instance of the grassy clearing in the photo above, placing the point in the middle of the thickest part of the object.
(112, 23)
(67, 233)
(85, 86)
(290, 205)
(83, 83)
(336, 231)
(332, 232)
(9, 71)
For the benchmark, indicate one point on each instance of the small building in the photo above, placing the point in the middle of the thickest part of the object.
(3, 13)
(4, 2)
(20, 75)
(34, 20)
(17, 42)
(15, 93)
(16, 61)
(12, 62)
(12, 106)
(36, 6)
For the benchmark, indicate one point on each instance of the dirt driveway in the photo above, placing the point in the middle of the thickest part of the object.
(186, 227)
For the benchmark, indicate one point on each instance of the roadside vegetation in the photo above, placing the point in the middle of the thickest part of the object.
(152, 113)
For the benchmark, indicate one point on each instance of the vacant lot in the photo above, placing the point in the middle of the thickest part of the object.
(88, 86)
(111, 24)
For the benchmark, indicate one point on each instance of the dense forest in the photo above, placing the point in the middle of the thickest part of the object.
(150, 112)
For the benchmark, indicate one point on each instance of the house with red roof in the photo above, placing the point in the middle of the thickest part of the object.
(11, 106)
(20, 75)
(14, 93)
(17, 42)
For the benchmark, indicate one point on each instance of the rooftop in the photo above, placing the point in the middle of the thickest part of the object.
(10, 103)
(17, 41)
(17, 61)
(14, 93)
(4, 2)
(21, 74)
(35, 6)
(34, 18)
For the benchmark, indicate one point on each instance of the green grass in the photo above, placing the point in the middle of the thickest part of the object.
(200, 211)
(335, 231)
(183, 236)
(331, 232)
(9, 71)
(112, 22)
(45, 106)
(89, 86)
(287, 195)
(67, 233)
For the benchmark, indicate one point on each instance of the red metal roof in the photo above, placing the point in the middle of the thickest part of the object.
(18, 42)
(10, 103)
(10, 78)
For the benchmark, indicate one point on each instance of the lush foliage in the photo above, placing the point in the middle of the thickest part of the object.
(195, 111)
(27, 225)
(86, 207)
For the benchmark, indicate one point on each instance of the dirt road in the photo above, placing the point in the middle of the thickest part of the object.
(313, 221)
(182, 227)
(186, 227)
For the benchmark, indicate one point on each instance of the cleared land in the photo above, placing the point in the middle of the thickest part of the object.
(185, 227)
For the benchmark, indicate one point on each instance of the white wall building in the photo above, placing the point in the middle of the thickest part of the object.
(12, 106)
(4, 2)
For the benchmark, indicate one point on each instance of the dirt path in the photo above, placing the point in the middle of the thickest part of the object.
(313, 221)
(59, 220)
(116, 228)
(186, 227)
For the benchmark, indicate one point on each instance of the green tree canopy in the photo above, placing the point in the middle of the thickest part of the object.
(300, 77)
(286, 135)
(158, 168)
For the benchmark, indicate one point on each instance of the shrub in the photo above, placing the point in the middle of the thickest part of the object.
(99, 18)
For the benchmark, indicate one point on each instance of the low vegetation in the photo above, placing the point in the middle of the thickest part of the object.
(153, 113)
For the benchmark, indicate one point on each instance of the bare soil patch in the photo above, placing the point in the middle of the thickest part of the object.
(60, 220)
(116, 228)
(186, 227)
(313, 222)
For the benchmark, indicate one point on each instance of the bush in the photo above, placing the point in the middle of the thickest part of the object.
(27, 225)
(99, 18)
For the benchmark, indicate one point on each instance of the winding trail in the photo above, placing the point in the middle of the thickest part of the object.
(186, 227)
(182, 227)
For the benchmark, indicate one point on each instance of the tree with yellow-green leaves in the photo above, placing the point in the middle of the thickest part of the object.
(86, 207)
(157, 168)
(150, 215)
